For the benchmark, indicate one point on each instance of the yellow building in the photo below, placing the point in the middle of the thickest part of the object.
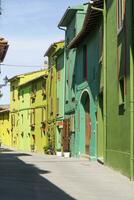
(28, 110)
(51, 93)
(5, 132)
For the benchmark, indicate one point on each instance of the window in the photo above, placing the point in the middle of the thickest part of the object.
(120, 14)
(13, 93)
(13, 120)
(32, 118)
(18, 94)
(51, 111)
(57, 106)
(43, 114)
(34, 89)
(85, 63)
(22, 118)
(43, 122)
(121, 91)
(22, 94)
(44, 88)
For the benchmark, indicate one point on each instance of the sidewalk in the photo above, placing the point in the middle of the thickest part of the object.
(36, 176)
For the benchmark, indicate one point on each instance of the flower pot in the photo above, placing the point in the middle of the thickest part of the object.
(66, 154)
(59, 153)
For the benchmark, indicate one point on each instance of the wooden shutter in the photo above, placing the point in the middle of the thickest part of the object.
(65, 136)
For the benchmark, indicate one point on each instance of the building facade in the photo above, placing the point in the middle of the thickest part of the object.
(5, 133)
(71, 23)
(60, 93)
(28, 111)
(119, 99)
(52, 94)
(88, 44)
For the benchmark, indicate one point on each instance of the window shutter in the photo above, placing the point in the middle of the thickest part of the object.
(57, 106)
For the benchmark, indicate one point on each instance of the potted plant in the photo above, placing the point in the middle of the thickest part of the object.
(46, 149)
(59, 152)
(66, 154)
(32, 147)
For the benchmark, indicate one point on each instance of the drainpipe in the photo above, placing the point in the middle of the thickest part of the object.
(105, 78)
(131, 115)
(104, 11)
(131, 104)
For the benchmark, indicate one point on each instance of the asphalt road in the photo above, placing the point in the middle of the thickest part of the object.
(26, 176)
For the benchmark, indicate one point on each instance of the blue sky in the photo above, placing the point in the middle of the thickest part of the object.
(30, 26)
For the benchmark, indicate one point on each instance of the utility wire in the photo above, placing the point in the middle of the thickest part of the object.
(11, 65)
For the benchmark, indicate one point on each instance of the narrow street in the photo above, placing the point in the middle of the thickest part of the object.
(26, 176)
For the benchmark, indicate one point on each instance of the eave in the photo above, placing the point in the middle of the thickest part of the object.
(52, 48)
(3, 48)
(33, 79)
(90, 24)
(69, 13)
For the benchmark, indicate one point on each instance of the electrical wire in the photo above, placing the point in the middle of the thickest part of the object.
(12, 65)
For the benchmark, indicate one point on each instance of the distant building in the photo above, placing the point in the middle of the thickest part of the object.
(51, 93)
(5, 132)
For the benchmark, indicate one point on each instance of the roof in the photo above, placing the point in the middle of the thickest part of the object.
(4, 108)
(33, 79)
(69, 13)
(91, 22)
(24, 74)
(53, 47)
(3, 48)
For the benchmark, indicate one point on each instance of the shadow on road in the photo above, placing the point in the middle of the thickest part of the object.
(21, 181)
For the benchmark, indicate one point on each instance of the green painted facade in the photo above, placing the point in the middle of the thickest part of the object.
(120, 88)
(88, 84)
(72, 21)
(60, 69)
(86, 90)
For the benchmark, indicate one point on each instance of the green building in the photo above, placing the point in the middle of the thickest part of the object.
(71, 23)
(88, 78)
(110, 48)
(119, 85)
(60, 70)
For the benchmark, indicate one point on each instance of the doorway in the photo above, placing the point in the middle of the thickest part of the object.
(87, 122)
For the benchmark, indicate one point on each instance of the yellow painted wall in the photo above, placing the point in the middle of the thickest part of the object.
(5, 132)
(22, 105)
(51, 92)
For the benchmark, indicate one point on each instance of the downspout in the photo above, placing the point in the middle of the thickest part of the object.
(131, 102)
(64, 29)
(105, 78)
